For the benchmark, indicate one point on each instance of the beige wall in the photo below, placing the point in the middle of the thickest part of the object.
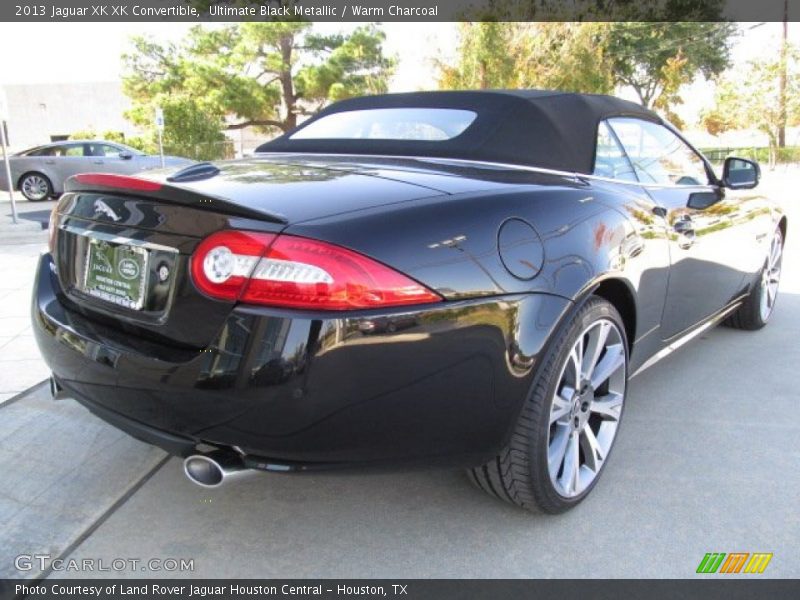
(37, 112)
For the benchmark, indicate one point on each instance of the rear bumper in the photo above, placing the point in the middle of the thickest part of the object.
(442, 384)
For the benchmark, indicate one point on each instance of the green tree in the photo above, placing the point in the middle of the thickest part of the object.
(566, 56)
(652, 46)
(656, 59)
(189, 129)
(262, 74)
(485, 59)
(750, 98)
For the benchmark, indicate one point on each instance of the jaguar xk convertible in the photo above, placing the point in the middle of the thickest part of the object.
(445, 278)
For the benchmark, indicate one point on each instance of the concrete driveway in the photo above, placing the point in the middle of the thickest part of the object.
(706, 461)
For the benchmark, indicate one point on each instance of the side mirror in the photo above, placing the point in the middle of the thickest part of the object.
(125, 155)
(740, 173)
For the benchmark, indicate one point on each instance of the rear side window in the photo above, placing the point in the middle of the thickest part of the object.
(46, 151)
(657, 154)
(610, 161)
(415, 124)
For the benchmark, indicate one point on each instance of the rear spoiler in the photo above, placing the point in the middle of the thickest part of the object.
(166, 192)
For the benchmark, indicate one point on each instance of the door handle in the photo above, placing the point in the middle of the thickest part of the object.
(685, 230)
(98, 162)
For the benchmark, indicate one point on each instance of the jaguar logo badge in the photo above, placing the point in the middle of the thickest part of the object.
(101, 208)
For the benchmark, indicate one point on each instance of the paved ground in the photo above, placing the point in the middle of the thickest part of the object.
(20, 246)
(706, 461)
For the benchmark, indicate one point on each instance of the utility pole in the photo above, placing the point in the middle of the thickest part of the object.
(782, 82)
(4, 144)
(160, 127)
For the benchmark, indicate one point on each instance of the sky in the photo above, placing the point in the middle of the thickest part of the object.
(81, 52)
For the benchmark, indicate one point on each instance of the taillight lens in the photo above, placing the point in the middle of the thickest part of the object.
(296, 272)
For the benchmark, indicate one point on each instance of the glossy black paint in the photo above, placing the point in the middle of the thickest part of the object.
(441, 382)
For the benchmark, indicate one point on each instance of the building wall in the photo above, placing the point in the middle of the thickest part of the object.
(41, 112)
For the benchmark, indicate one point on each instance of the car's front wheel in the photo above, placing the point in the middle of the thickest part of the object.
(568, 424)
(757, 307)
(35, 187)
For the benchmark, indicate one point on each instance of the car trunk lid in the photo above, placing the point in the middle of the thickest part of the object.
(123, 244)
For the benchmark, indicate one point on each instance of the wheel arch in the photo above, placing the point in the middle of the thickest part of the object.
(618, 292)
(33, 172)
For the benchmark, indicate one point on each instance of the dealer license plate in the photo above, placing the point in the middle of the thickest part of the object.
(116, 273)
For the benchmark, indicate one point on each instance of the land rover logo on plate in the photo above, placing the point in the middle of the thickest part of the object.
(101, 208)
(128, 268)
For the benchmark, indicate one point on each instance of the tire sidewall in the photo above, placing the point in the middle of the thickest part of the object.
(592, 310)
(759, 288)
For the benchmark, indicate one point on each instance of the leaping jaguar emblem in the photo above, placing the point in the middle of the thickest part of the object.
(101, 208)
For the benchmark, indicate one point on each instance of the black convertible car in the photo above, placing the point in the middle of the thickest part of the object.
(458, 278)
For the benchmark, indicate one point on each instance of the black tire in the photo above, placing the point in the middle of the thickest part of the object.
(519, 473)
(750, 316)
(42, 182)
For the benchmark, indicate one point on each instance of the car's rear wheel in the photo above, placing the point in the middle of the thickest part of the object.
(757, 308)
(569, 422)
(35, 187)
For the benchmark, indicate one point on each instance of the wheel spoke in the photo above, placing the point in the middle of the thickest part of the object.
(775, 251)
(591, 449)
(567, 393)
(609, 406)
(598, 336)
(557, 449)
(576, 358)
(560, 408)
(613, 360)
(570, 473)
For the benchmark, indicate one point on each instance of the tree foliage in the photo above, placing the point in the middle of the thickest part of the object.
(567, 56)
(751, 98)
(654, 59)
(262, 74)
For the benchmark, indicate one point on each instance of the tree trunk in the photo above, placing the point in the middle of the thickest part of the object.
(287, 85)
(773, 151)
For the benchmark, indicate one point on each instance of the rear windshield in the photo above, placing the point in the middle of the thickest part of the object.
(419, 124)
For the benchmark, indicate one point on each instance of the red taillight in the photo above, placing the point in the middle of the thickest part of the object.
(296, 272)
(118, 181)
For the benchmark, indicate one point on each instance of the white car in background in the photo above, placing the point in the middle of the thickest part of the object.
(39, 173)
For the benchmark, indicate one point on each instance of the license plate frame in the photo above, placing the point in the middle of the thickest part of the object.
(116, 273)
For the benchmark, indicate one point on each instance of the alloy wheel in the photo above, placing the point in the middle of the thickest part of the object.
(771, 276)
(34, 187)
(586, 408)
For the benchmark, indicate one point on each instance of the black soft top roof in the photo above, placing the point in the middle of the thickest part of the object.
(549, 129)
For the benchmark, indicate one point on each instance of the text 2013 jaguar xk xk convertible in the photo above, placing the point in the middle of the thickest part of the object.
(463, 278)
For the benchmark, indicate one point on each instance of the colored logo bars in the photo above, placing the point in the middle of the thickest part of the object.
(736, 562)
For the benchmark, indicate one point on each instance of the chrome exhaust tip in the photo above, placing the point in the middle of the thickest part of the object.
(213, 469)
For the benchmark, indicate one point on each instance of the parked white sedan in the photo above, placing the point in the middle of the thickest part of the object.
(40, 172)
